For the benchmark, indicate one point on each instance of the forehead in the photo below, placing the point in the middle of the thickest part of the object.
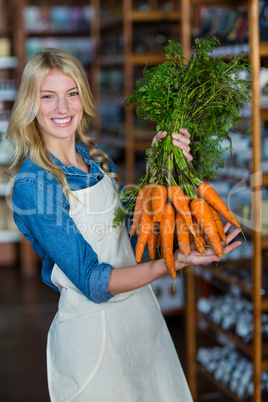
(56, 80)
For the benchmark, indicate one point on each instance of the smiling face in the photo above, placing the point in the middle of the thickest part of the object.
(61, 109)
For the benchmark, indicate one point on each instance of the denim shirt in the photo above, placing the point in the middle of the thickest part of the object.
(41, 212)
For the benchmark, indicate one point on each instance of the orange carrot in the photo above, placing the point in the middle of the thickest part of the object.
(159, 197)
(145, 228)
(201, 211)
(167, 226)
(219, 224)
(141, 200)
(180, 203)
(187, 198)
(199, 239)
(138, 209)
(183, 235)
(147, 202)
(152, 240)
(210, 195)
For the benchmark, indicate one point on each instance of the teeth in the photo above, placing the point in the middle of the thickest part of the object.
(62, 121)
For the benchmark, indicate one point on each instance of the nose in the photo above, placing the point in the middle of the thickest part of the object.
(62, 105)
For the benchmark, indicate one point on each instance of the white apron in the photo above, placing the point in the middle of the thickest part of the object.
(116, 351)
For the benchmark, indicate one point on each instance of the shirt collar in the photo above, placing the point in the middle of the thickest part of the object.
(82, 150)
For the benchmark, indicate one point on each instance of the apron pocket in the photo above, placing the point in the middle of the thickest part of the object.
(75, 350)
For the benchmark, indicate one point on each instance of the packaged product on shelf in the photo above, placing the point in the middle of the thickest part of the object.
(232, 369)
(233, 314)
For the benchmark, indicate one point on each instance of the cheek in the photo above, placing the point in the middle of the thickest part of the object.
(42, 112)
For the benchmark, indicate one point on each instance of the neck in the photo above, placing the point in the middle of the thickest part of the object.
(64, 150)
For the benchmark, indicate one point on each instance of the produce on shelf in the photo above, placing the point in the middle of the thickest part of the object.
(205, 95)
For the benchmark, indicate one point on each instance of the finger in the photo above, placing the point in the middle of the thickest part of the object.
(231, 247)
(182, 145)
(185, 132)
(188, 156)
(232, 235)
(160, 134)
(227, 227)
(181, 138)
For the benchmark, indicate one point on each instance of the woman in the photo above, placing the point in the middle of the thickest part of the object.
(108, 340)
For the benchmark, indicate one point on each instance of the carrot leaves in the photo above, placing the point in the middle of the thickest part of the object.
(204, 94)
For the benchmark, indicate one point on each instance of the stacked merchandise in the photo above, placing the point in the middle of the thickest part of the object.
(230, 368)
(74, 20)
(232, 314)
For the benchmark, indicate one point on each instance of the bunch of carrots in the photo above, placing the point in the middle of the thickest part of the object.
(164, 216)
(174, 205)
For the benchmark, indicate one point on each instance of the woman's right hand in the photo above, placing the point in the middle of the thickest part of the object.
(181, 140)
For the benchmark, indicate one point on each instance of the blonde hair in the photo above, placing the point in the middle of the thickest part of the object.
(23, 128)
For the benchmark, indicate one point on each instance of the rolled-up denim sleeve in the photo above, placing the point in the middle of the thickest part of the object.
(50, 225)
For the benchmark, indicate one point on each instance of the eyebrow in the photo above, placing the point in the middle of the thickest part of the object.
(47, 90)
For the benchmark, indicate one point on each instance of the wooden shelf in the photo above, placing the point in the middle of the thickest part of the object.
(110, 22)
(247, 349)
(219, 3)
(141, 59)
(264, 113)
(154, 16)
(218, 384)
(142, 145)
(264, 242)
(257, 351)
(48, 34)
(135, 59)
(263, 49)
(265, 179)
(217, 273)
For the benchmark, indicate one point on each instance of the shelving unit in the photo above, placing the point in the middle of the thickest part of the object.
(256, 352)
(128, 56)
(11, 66)
(25, 28)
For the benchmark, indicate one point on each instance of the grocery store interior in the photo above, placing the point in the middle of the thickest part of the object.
(217, 314)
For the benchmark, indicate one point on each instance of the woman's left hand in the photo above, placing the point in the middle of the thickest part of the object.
(181, 140)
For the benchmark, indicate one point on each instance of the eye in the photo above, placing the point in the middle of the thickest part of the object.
(75, 93)
(46, 97)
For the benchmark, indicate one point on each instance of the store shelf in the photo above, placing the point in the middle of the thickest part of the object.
(129, 53)
(151, 59)
(110, 22)
(8, 62)
(218, 384)
(265, 179)
(253, 287)
(63, 34)
(264, 242)
(229, 3)
(263, 49)
(216, 272)
(247, 349)
(154, 16)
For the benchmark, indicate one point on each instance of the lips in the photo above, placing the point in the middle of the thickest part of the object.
(62, 121)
